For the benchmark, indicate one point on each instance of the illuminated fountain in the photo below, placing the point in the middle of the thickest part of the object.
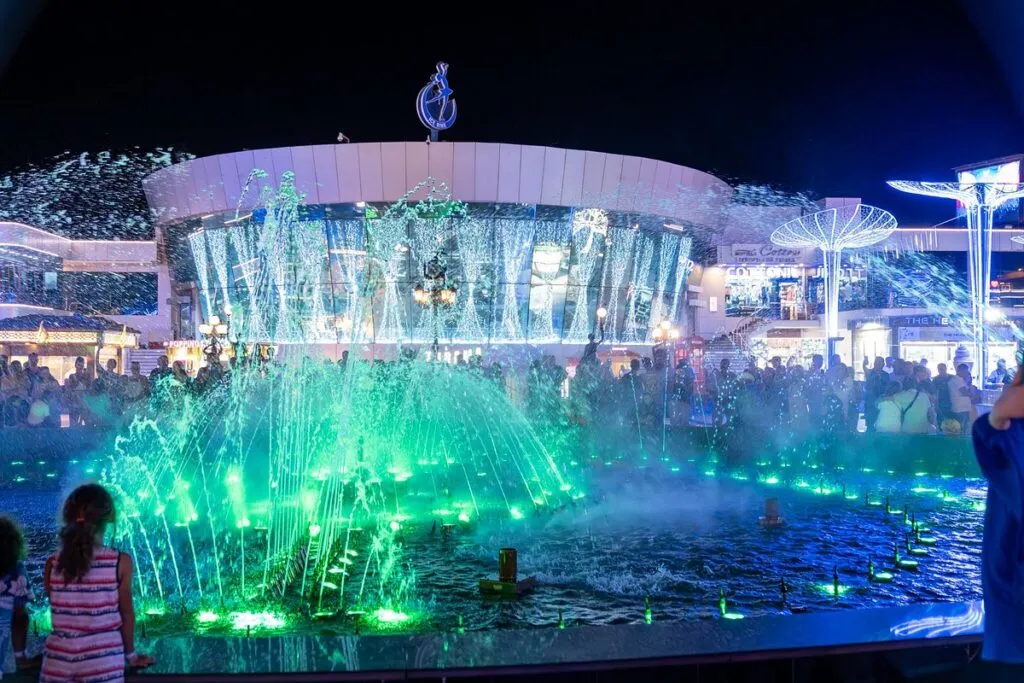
(980, 201)
(833, 231)
(288, 488)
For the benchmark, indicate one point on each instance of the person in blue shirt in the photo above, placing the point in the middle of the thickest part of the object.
(14, 594)
(999, 448)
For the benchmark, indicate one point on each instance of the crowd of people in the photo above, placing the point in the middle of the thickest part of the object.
(31, 396)
(896, 396)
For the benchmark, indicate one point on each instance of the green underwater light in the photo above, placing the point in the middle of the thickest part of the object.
(831, 589)
(242, 621)
(390, 616)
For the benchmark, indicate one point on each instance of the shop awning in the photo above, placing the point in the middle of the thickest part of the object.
(45, 329)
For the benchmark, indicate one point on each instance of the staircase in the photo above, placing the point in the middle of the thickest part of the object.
(735, 345)
(146, 358)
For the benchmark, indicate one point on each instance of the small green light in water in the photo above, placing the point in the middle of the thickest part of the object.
(314, 530)
(978, 506)
(923, 489)
(830, 589)
(463, 517)
(156, 611)
(207, 617)
(565, 487)
(709, 473)
(920, 474)
(772, 481)
(516, 514)
(739, 476)
(394, 525)
(801, 484)
(866, 470)
(390, 616)
(732, 615)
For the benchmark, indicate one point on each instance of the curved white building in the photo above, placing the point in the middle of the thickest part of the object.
(548, 236)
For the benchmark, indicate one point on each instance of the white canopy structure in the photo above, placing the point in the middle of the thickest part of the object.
(980, 200)
(832, 231)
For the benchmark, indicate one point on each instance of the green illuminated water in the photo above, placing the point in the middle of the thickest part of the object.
(287, 489)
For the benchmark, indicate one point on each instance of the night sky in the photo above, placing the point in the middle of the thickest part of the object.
(820, 97)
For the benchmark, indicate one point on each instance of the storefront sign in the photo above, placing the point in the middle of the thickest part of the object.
(767, 254)
(764, 273)
(920, 321)
(926, 334)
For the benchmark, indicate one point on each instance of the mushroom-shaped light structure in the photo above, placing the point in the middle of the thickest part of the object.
(980, 200)
(832, 231)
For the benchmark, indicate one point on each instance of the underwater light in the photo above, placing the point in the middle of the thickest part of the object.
(463, 517)
(732, 615)
(241, 621)
(207, 617)
(394, 525)
(390, 616)
(771, 481)
(156, 611)
(923, 489)
(516, 514)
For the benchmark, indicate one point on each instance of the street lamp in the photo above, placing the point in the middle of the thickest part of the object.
(435, 291)
(214, 330)
(602, 313)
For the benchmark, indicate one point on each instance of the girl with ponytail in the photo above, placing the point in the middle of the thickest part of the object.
(90, 591)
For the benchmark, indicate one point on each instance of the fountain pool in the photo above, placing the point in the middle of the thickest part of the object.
(679, 539)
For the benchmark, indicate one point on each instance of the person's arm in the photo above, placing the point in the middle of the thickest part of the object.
(126, 606)
(22, 594)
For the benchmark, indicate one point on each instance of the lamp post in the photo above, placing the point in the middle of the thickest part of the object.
(602, 313)
(434, 291)
(663, 334)
(214, 331)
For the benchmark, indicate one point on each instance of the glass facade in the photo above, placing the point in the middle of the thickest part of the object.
(523, 274)
(88, 293)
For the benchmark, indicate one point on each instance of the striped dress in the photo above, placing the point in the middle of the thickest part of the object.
(85, 645)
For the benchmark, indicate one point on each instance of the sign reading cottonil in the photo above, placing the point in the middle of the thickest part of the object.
(770, 254)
